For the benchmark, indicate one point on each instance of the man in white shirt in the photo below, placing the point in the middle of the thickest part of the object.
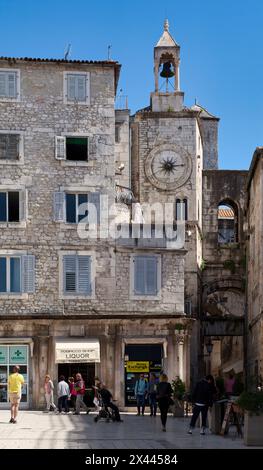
(63, 394)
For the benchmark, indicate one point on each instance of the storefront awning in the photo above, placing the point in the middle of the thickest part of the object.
(237, 366)
(70, 351)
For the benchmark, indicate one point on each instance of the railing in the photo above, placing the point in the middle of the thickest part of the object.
(121, 102)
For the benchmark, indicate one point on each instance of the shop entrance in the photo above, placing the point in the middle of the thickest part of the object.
(140, 358)
(87, 370)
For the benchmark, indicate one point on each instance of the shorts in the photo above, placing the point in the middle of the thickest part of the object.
(14, 398)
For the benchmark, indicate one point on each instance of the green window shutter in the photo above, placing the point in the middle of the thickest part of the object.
(84, 275)
(70, 274)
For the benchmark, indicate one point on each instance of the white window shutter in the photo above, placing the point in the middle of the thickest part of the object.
(23, 201)
(70, 273)
(71, 87)
(94, 198)
(59, 206)
(84, 275)
(60, 147)
(12, 85)
(139, 275)
(3, 81)
(151, 275)
(81, 88)
(20, 146)
(28, 274)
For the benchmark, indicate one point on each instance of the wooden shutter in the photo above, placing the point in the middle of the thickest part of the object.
(84, 275)
(151, 275)
(139, 276)
(81, 88)
(28, 274)
(59, 206)
(3, 88)
(71, 87)
(23, 205)
(94, 198)
(3, 145)
(60, 147)
(12, 85)
(70, 273)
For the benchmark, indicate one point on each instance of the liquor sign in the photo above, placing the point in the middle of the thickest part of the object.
(137, 366)
(70, 352)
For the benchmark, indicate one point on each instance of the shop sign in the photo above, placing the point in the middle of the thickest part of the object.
(3, 354)
(18, 355)
(137, 366)
(77, 352)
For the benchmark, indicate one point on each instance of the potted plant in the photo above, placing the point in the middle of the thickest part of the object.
(178, 387)
(252, 404)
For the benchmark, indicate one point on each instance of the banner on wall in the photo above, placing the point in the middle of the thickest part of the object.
(137, 366)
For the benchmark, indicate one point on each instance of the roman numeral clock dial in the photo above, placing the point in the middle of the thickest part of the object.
(168, 167)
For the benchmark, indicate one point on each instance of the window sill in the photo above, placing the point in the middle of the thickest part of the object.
(10, 99)
(77, 163)
(13, 296)
(13, 224)
(11, 162)
(145, 297)
(77, 297)
(77, 103)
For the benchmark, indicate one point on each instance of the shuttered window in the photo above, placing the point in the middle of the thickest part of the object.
(68, 207)
(77, 86)
(145, 275)
(9, 146)
(12, 206)
(72, 148)
(17, 274)
(77, 274)
(8, 84)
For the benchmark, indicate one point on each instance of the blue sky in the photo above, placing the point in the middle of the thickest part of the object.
(221, 53)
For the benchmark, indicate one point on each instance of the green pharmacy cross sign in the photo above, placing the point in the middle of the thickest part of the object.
(18, 354)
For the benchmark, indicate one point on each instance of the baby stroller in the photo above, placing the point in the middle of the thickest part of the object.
(104, 413)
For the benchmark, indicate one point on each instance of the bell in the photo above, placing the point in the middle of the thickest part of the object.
(167, 72)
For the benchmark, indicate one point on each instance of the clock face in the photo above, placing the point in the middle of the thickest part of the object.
(168, 167)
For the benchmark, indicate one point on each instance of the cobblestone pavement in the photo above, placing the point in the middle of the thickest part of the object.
(37, 430)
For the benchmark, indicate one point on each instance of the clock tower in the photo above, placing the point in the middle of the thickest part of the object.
(167, 163)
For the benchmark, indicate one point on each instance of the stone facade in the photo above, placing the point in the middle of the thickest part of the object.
(255, 267)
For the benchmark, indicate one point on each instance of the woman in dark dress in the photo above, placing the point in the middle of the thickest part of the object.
(164, 392)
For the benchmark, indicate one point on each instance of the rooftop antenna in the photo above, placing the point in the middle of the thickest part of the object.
(109, 52)
(67, 52)
(196, 101)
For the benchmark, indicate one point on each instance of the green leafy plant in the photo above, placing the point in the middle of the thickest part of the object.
(178, 387)
(203, 264)
(251, 402)
(179, 326)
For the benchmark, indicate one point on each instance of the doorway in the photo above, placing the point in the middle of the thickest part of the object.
(87, 370)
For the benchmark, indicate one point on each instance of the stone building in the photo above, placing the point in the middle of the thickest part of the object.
(255, 268)
(98, 297)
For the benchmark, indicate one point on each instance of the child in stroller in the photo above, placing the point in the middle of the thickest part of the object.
(108, 410)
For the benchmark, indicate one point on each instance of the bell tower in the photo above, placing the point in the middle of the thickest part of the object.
(167, 95)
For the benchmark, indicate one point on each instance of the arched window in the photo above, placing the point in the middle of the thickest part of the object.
(227, 216)
(181, 209)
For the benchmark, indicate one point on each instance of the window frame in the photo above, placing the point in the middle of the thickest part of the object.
(133, 295)
(20, 159)
(65, 87)
(71, 295)
(9, 98)
(23, 206)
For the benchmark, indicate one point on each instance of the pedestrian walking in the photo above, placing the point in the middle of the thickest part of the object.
(80, 390)
(49, 393)
(152, 394)
(202, 399)
(63, 394)
(164, 392)
(73, 393)
(15, 382)
(140, 393)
